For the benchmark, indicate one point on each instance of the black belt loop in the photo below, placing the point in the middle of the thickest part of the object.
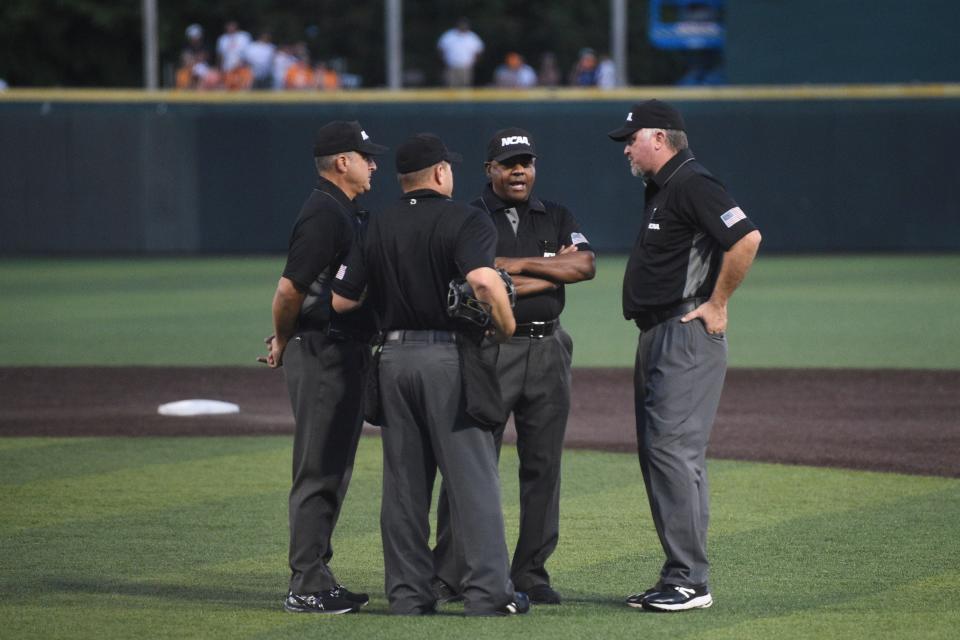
(428, 336)
(649, 318)
(535, 329)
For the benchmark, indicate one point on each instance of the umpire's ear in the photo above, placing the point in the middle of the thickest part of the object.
(487, 166)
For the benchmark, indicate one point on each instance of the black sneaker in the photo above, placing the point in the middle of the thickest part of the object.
(520, 604)
(320, 602)
(543, 594)
(635, 600)
(444, 592)
(360, 599)
(676, 598)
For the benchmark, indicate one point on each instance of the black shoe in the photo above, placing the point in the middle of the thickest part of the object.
(320, 602)
(520, 604)
(543, 594)
(359, 599)
(444, 592)
(676, 598)
(635, 600)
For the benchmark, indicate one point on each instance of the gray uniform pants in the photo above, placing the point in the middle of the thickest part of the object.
(677, 383)
(426, 427)
(534, 376)
(324, 379)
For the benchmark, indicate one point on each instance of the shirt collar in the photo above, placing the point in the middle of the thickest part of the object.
(423, 193)
(337, 193)
(670, 169)
(493, 202)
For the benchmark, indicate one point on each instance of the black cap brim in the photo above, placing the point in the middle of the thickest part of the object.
(452, 156)
(515, 153)
(372, 149)
(622, 133)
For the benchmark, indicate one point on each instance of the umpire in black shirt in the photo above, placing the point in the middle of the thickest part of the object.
(694, 248)
(324, 357)
(407, 258)
(540, 244)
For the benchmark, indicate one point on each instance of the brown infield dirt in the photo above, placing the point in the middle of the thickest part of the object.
(905, 421)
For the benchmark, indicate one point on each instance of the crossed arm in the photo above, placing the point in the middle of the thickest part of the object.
(533, 275)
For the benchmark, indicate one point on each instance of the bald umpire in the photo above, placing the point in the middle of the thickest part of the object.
(406, 260)
(694, 248)
(324, 357)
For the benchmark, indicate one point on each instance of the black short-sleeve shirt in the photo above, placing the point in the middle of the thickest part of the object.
(689, 222)
(409, 254)
(544, 228)
(320, 240)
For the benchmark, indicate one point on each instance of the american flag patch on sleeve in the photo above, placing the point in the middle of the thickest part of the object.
(733, 216)
(342, 271)
(578, 238)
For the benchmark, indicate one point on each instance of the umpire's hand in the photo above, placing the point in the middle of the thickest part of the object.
(274, 357)
(712, 314)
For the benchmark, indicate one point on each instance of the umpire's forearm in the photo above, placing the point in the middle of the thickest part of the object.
(736, 263)
(286, 309)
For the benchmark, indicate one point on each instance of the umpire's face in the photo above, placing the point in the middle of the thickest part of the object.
(360, 167)
(512, 178)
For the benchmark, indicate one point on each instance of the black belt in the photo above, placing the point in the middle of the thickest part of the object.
(535, 329)
(650, 318)
(420, 335)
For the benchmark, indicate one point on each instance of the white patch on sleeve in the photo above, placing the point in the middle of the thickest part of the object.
(733, 216)
(578, 238)
(341, 272)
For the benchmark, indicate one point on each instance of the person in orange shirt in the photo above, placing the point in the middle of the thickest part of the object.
(239, 78)
(327, 78)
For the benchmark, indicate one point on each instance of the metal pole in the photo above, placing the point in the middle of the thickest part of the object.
(618, 39)
(151, 62)
(394, 27)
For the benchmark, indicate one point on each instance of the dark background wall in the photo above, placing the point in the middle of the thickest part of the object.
(842, 41)
(816, 174)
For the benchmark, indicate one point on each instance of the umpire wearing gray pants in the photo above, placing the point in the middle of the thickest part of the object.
(694, 248)
(407, 258)
(324, 357)
(540, 244)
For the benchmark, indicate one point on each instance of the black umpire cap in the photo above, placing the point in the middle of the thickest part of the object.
(421, 151)
(340, 136)
(651, 114)
(510, 143)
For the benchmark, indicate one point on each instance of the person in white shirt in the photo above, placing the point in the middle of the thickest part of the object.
(460, 48)
(259, 54)
(230, 46)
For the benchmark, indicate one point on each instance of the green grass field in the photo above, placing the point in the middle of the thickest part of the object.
(175, 538)
(846, 311)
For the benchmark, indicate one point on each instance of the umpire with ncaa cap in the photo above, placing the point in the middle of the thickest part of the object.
(405, 261)
(539, 243)
(324, 357)
(694, 248)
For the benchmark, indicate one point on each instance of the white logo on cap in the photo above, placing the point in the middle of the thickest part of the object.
(364, 135)
(505, 142)
(630, 116)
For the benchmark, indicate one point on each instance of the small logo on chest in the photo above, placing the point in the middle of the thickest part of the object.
(654, 225)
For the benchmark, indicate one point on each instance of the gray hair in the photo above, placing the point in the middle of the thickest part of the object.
(677, 139)
(325, 163)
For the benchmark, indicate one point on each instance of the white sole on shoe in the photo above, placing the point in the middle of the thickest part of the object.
(702, 602)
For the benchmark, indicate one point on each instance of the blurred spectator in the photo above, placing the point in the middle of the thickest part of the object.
(514, 72)
(549, 74)
(300, 74)
(240, 78)
(282, 61)
(259, 55)
(230, 46)
(195, 73)
(460, 48)
(606, 73)
(326, 77)
(195, 44)
(3, 85)
(584, 72)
